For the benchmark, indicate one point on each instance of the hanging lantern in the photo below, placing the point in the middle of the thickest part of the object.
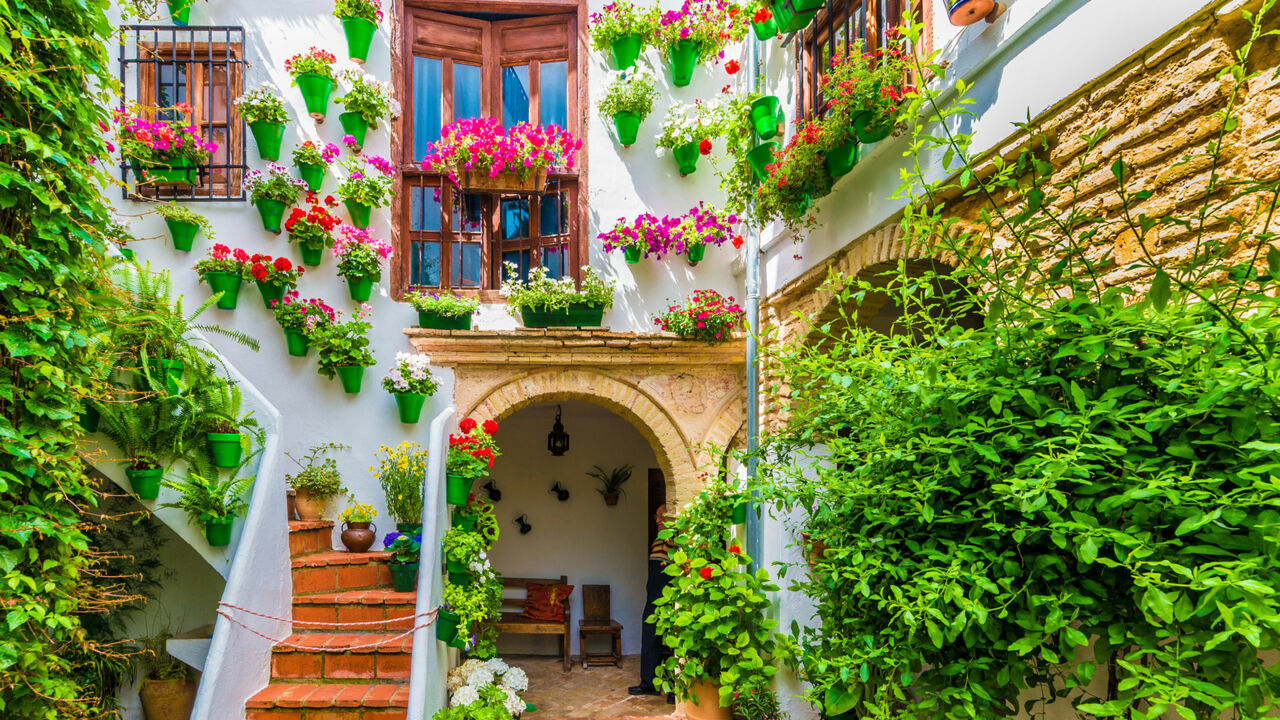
(558, 439)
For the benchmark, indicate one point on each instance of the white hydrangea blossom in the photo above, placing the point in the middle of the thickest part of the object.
(465, 695)
(515, 679)
(480, 676)
(497, 666)
(512, 702)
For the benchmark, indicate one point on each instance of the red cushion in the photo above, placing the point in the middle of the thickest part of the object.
(546, 602)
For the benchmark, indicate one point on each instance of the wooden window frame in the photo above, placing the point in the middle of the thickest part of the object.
(572, 13)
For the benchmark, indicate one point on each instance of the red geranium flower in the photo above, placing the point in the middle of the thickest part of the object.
(467, 425)
(732, 67)
(705, 573)
(762, 15)
(490, 427)
(737, 242)
(704, 147)
(259, 272)
(735, 549)
(240, 255)
(283, 265)
(330, 201)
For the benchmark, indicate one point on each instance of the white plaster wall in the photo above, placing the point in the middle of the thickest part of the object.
(590, 542)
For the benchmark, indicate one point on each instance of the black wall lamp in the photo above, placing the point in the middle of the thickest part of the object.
(494, 493)
(558, 439)
(523, 522)
(561, 494)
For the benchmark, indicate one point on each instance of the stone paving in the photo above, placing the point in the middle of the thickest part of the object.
(598, 692)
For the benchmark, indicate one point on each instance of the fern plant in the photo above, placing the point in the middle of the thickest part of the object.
(147, 430)
(205, 497)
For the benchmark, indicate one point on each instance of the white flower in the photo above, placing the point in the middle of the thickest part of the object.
(464, 696)
(479, 676)
(512, 702)
(497, 666)
(516, 679)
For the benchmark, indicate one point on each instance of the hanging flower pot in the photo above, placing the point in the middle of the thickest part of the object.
(632, 254)
(788, 19)
(505, 181)
(297, 344)
(311, 256)
(312, 175)
(766, 117)
(871, 129)
(466, 523)
(316, 89)
(446, 626)
(360, 287)
(628, 126)
(457, 489)
(145, 482)
(268, 136)
(410, 407)
(182, 233)
(686, 157)
(841, 158)
(576, 315)
(225, 448)
(766, 30)
(181, 173)
(180, 12)
(226, 283)
(626, 50)
(695, 253)
(359, 212)
(967, 12)
(352, 377)
(358, 537)
(760, 157)
(218, 531)
(404, 578)
(271, 212)
(89, 419)
(739, 513)
(270, 292)
(356, 126)
(684, 58)
(436, 321)
(170, 371)
(359, 34)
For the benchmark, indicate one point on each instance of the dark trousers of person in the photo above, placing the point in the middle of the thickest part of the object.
(651, 649)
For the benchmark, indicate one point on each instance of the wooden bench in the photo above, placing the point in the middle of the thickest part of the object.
(511, 623)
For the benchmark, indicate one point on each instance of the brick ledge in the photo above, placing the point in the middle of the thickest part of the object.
(571, 346)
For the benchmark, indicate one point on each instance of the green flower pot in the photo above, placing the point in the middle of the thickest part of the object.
(228, 284)
(466, 523)
(788, 19)
(360, 287)
(869, 130)
(271, 212)
(694, 253)
(447, 629)
(352, 377)
(453, 567)
(462, 579)
(180, 12)
(89, 418)
(268, 136)
(802, 6)
(632, 254)
(841, 158)
(218, 531)
(576, 315)
(410, 407)
(271, 292)
(626, 50)
(226, 448)
(409, 529)
(316, 89)
(359, 34)
(355, 125)
(443, 322)
(686, 158)
(766, 117)
(404, 578)
(183, 234)
(766, 30)
(684, 58)
(739, 513)
(170, 370)
(628, 126)
(457, 489)
(181, 173)
(312, 175)
(359, 212)
(311, 256)
(297, 343)
(760, 158)
(145, 483)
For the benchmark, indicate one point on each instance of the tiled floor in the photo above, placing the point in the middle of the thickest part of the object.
(598, 692)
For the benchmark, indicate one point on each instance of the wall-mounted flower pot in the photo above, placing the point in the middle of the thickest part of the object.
(466, 523)
(968, 12)
(505, 181)
(359, 212)
(89, 418)
(360, 287)
(766, 30)
(182, 233)
(576, 315)
(180, 173)
(145, 482)
(462, 579)
(228, 284)
(610, 499)
(180, 12)
(356, 126)
(841, 158)
(359, 34)
(628, 126)
(404, 578)
(409, 406)
(311, 256)
(358, 537)
(871, 129)
(315, 89)
(686, 158)
(310, 507)
(683, 55)
(789, 19)
(693, 254)
(271, 212)
(268, 136)
(626, 50)
(767, 117)
(632, 254)
(226, 449)
(352, 377)
(312, 175)
(760, 158)
(447, 628)
(170, 371)
(271, 292)
(457, 489)
(739, 515)
(296, 343)
(436, 321)
(218, 531)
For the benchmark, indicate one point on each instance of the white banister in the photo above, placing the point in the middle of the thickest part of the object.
(431, 658)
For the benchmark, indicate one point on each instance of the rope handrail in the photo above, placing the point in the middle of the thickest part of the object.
(320, 623)
(284, 642)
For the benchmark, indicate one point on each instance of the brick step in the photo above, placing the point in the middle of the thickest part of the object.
(335, 571)
(355, 713)
(306, 537)
(354, 606)
(389, 661)
(313, 701)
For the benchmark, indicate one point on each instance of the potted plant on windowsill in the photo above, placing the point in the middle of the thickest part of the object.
(274, 277)
(687, 131)
(406, 553)
(271, 192)
(343, 349)
(410, 382)
(697, 31)
(367, 186)
(358, 530)
(611, 481)
(443, 311)
(402, 472)
(312, 229)
(263, 108)
(647, 235)
(477, 155)
(224, 270)
(360, 20)
(471, 455)
(316, 482)
(629, 100)
(183, 225)
(360, 257)
(706, 316)
(163, 152)
(211, 503)
(367, 102)
(699, 227)
(313, 161)
(299, 319)
(312, 72)
(544, 302)
(622, 29)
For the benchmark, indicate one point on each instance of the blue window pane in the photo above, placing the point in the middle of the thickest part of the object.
(553, 90)
(425, 268)
(465, 259)
(468, 217)
(424, 213)
(520, 258)
(515, 95)
(556, 260)
(515, 219)
(171, 89)
(553, 214)
(466, 91)
(427, 95)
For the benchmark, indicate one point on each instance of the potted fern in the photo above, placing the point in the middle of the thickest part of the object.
(147, 432)
(611, 481)
(211, 502)
(628, 101)
(215, 404)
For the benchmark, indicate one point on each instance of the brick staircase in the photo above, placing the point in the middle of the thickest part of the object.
(338, 587)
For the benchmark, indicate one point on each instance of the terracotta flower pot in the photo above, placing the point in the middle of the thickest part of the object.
(167, 699)
(703, 703)
(610, 499)
(310, 508)
(358, 537)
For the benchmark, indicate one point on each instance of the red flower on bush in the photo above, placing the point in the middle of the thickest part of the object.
(762, 15)
(490, 427)
(330, 201)
(467, 425)
(705, 573)
(735, 549)
(732, 67)
(704, 147)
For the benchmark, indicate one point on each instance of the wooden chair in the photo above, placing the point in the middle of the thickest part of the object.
(511, 622)
(596, 621)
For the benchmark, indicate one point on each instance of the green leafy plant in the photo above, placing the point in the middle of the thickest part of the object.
(617, 19)
(303, 316)
(318, 475)
(181, 213)
(465, 546)
(205, 498)
(443, 304)
(262, 104)
(343, 344)
(147, 430)
(486, 523)
(543, 292)
(275, 184)
(404, 549)
(757, 701)
(401, 472)
(478, 606)
(159, 325)
(630, 91)
(369, 180)
(611, 481)
(155, 661)
(371, 99)
(370, 10)
(737, 179)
